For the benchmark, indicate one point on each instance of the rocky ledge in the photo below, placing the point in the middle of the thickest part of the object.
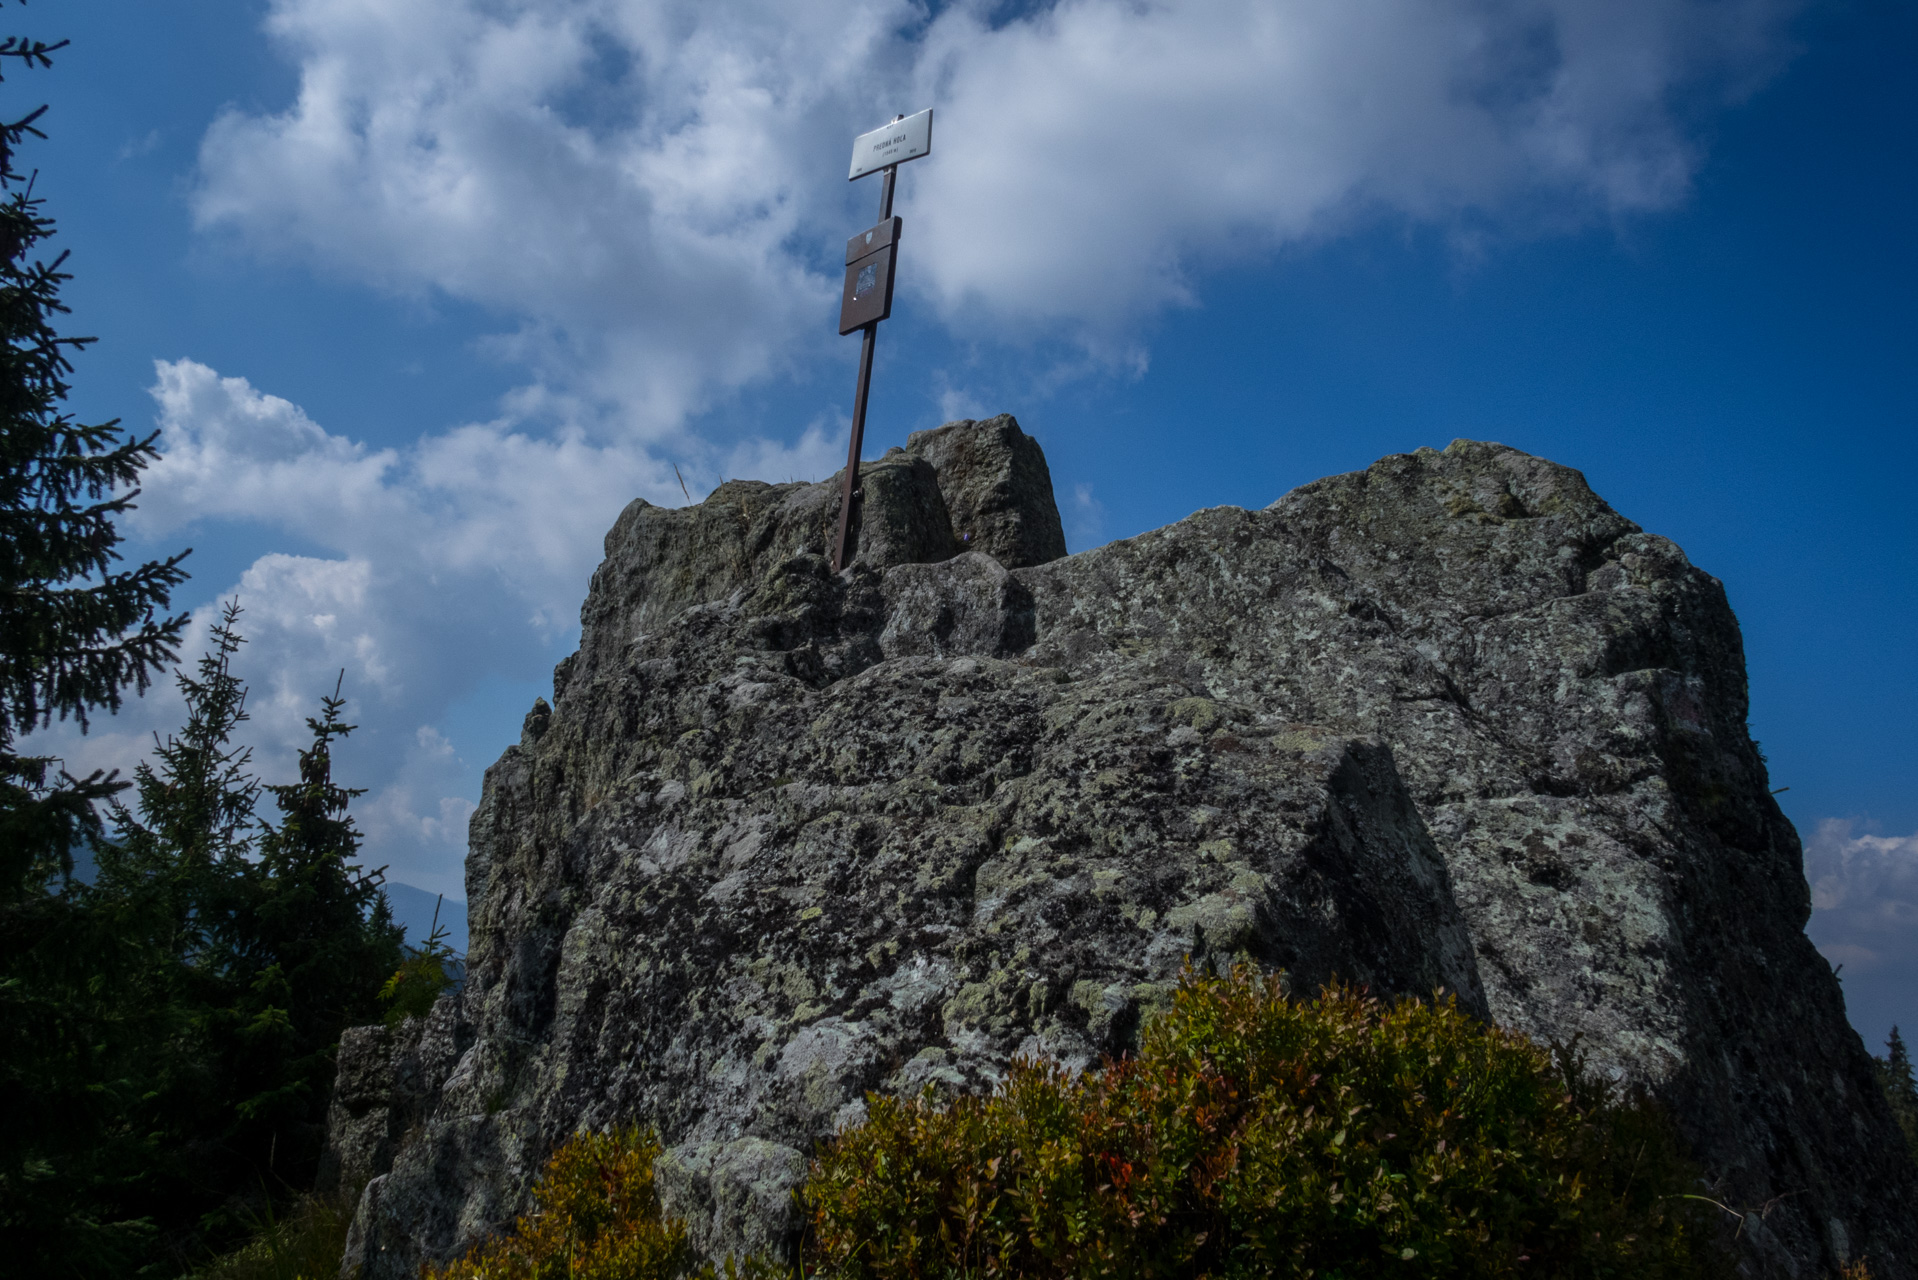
(784, 837)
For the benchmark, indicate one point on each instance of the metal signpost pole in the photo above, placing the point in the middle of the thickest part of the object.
(871, 257)
(850, 493)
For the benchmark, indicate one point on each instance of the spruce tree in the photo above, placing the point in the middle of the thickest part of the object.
(267, 941)
(1901, 1089)
(166, 1029)
(77, 629)
(177, 875)
(318, 940)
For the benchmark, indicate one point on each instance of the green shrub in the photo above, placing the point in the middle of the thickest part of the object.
(595, 1217)
(1252, 1135)
(1255, 1135)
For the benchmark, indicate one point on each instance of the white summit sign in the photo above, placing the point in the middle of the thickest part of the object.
(891, 144)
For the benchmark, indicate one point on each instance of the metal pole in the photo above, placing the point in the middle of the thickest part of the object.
(885, 191)
(869, 335)
(849, 493)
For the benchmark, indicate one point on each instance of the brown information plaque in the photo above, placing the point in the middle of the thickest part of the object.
(867, 298)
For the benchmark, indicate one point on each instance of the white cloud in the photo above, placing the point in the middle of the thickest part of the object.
(1094, 155)
(1864, 891)
(1085, 518)
(420, 807)
(1864, 894)
(618, 179)
(818, 453)
(647, 189)
(956, 402)
(484, 498)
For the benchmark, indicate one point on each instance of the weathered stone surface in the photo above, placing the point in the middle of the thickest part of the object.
(734, 1196)
(661, 560)
(1447, 721)
(362, 1122)
(966, 605)
(997, 488)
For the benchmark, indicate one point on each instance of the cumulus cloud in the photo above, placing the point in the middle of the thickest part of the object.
(817, 453)
(1097, 153)
(482, 498)
(618, 179)
(1865, 917)
(647, 188)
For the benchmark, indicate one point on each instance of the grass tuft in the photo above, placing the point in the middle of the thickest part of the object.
(304, 1244)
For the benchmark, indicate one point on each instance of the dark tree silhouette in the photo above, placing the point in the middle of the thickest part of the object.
(1901, 1089)
(77, 629)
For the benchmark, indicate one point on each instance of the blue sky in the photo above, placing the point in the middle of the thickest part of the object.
(421, 293)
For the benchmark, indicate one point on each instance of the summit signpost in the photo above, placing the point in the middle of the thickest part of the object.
(867, 297)
(906, 138)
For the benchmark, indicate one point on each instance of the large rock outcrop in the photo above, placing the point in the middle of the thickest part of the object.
(785, 837)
